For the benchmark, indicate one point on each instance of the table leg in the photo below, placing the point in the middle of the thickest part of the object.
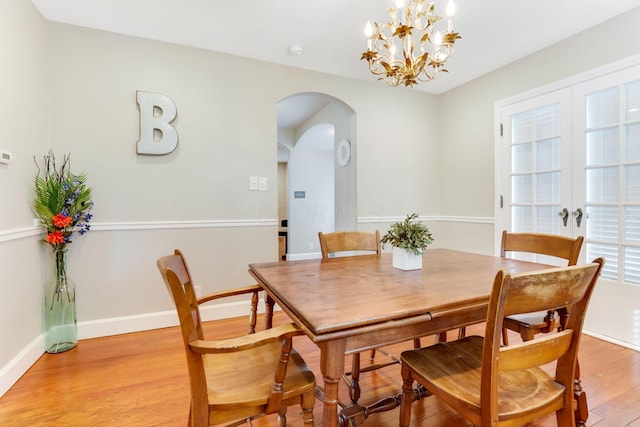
(332, 367)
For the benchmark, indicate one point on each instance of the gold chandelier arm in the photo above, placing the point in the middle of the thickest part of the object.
(409, 48)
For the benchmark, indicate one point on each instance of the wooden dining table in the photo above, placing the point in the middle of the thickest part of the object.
(351, 304)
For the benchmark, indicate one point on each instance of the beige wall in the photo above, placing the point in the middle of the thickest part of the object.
(227, 129)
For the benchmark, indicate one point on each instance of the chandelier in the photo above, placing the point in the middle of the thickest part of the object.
(412, 29)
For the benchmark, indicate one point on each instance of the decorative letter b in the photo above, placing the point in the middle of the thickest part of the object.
(157, 136)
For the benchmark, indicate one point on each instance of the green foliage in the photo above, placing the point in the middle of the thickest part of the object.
(409, 234)
(62, 201)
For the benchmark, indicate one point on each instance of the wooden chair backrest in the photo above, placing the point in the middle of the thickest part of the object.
(176, 275)
(549, 289)
(543, 244)
(341, 241)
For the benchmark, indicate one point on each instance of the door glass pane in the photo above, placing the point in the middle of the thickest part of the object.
(521, 158)
(632, 101)
(602, 185)
(521, 129)
(602, 223)
(521, 219)
(548, 187)
(610, 254)
(521, 191)
(632, 224)
(548, 154)
(548, 220)
(632, 183)
(632, 265)
(602, 147)
(632, 143)
(535, 150)
(547, 121)
(603, 108)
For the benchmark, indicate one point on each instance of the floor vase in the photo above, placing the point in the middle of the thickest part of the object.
(60, 307)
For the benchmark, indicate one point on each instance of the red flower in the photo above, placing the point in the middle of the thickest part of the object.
(55, 238)
(61, 221)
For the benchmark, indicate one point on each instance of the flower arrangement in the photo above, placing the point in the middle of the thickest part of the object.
(62, 201)
(411, 235)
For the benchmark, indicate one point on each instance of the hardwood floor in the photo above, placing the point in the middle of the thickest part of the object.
(140, 379)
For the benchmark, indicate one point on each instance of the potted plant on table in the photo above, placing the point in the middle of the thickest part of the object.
(409, 239)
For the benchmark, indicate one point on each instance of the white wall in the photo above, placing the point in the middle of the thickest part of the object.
(310, 171)
(24, 111)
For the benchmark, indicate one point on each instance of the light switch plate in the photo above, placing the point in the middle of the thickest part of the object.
(253, 183)
(262, 186)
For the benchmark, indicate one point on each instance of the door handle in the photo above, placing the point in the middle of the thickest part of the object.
(578, 214)
(564, 214)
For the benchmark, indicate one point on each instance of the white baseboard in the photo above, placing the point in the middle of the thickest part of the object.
(11, 372)
(300, 257)
(611, 340)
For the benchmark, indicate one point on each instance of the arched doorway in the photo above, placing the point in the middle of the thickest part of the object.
(311, 127)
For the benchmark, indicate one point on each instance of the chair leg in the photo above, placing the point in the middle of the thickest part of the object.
(527, 334)
(282, 417)
(372, 355)
(354, 389)
(416, 343)
(505, 336)
(462, 332)
(308, 401)
(407, 397)
(582, 410)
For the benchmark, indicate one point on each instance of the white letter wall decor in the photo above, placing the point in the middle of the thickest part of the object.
(157, 136)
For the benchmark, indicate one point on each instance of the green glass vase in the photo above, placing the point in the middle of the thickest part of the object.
(60, 307)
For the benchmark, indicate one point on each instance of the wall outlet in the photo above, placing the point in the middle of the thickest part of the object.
(310, 245)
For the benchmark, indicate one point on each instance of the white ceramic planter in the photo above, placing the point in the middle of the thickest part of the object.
(405, 260)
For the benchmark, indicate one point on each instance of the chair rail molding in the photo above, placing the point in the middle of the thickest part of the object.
(391, 219)
(21, 233)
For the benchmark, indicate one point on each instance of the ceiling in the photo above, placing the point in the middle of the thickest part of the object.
(331, 32)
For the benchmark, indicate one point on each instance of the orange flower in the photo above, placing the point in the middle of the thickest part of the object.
(61, 221)
(55, 238)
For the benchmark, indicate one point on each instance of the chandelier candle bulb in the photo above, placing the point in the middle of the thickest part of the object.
(451, 10)
(368, 31)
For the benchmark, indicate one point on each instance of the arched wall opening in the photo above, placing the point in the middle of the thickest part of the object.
(320, 189)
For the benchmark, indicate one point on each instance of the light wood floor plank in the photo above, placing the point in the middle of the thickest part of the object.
(140, 379)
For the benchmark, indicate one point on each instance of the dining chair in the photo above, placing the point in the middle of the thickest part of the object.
(238, 379)
(492, 385)
(565, 248)
(353, 243)
(349, 241)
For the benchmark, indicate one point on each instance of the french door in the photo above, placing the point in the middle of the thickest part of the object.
(570, 165)
(536, 168)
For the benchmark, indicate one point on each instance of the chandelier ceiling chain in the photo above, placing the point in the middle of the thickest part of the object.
(425, 49)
